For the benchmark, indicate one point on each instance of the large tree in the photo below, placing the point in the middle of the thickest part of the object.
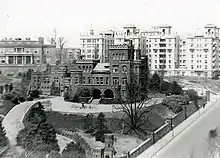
(101, 128)
(38, 136)
(136, 113)
(154, 84)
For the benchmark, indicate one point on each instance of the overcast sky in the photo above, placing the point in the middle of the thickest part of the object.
(34, 18)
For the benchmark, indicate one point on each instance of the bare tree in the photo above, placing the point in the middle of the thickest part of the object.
(59, 42)
(136, 113)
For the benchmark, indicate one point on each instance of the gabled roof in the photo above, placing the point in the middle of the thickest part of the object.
(102, 67)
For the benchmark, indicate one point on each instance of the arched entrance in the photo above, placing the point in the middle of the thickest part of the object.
(108, 93)
(96, 94)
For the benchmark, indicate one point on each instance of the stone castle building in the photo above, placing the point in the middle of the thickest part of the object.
(102, 78)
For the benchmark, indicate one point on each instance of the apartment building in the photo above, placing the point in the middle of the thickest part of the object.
(131, 32)
(96, 46)
(199, 53)
(26, 52)
(162, 47)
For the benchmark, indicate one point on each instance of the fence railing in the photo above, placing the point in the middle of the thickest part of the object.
(162, 131)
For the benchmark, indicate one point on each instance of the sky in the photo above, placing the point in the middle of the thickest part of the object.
(35, 18)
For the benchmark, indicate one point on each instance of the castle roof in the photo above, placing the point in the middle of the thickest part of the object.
(102, 67)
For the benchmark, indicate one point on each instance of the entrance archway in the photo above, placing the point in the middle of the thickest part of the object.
(108, 93)
(96, 94)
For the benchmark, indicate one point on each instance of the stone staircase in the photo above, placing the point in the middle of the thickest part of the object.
(95, 101)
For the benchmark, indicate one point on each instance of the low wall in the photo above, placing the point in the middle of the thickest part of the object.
(159, 133)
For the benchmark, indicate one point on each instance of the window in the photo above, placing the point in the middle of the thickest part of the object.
(124, 81)
(205, 61)
(84, 80)
(101, 80)
(169, 61)
(191, 66)
(169, 66)
(76, 80)
(155, 61)
(107, 80)
(115, 81)
(97, 80)
(155, 66)
(89, 80)
(124, 68)
(205, 66)
(205, 56)
(115, 68)
(88, 40)
(19, 60)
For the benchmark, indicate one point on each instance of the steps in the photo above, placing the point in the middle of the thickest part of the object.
(95, 101)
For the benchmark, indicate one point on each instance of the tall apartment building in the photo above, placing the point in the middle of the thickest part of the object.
(199, 53)
(95, 46)
(131, 32)
(162, 49)
(26, 52)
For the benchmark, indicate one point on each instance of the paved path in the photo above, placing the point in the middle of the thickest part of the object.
(192, 140)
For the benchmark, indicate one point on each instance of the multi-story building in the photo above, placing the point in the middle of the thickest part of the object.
(162, 49)
(199, 53)
(102, 78)
(96, 46)
(68, 54)
(26, 52)
(131, 32)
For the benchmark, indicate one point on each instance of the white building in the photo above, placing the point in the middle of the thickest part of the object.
(96, 46)
(199, 53)
(162, 49)
(130, 32)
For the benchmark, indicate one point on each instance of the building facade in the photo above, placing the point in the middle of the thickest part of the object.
(199, 53)
(131, 32)
(21, 52)
(102, 78)
(95, 46)
(162, 49)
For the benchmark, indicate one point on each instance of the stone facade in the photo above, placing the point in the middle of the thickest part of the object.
(102, 78)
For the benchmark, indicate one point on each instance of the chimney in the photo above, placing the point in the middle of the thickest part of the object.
(41, 40)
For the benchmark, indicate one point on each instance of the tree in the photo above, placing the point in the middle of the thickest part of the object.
(73, 150)
(88, 122)
(35, 93)
(59, 42)
(154, 84)
(136, 114)
(38, 136)
(101, 128)
(144, 77)
(3, 138)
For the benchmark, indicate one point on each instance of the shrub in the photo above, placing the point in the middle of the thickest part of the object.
(175, 89)
(176, 102)
(8, 96)
(193, 95)
(21, 99)
(35, 93)
(30, 98)
(15, 100)
(165, 86)
(73, 150)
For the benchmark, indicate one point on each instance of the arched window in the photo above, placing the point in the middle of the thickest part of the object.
(124, 68)
(113, 56)
(116, 55)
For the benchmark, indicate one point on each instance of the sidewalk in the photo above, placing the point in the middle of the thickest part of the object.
(150, 152)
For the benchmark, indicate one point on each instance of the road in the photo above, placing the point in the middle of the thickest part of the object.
(193, 140)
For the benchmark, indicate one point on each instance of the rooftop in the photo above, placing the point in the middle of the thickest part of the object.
(102, 67)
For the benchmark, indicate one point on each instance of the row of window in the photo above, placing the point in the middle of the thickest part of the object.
(118, 56)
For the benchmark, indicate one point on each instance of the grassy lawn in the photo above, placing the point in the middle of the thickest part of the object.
(6, 106)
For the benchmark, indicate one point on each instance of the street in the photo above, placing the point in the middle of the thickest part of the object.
(192, 142)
